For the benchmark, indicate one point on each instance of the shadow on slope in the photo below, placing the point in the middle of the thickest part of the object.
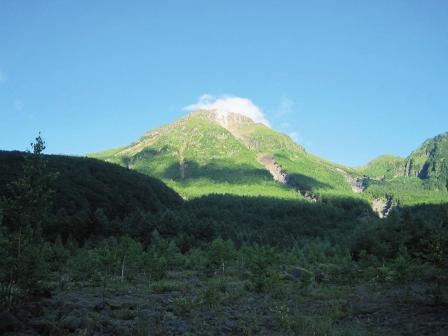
(217, 172)
(235, 174)
(306, 183)
(94, 198)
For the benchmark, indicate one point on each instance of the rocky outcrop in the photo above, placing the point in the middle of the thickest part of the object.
(358, 184)
(274, 168)
(382, 207)
(279, 175)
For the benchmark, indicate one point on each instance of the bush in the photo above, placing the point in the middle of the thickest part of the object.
(162, 255)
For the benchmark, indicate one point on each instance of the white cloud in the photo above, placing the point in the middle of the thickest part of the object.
(226, 104)
(3, 77)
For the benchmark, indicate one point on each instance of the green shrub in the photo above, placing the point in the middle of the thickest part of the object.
(263, 268)
(220, 254)
(160, 256)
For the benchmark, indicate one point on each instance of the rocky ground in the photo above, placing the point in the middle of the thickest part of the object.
(187, 304)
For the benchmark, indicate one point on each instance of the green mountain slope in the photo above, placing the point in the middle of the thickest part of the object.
(384, 166)
(206, 152)
(405, 191)
(197, 156)
(420, 178)
(430, 162)
(219, 152)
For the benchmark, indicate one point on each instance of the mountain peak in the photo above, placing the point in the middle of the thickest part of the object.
(224, 118)
(225, 105)
(429, 163)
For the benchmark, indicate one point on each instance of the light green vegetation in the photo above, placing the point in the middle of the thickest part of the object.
(196, 156)
(421, 178)
(314, 174)
(205, 153)
(385, 166)
(107, 153)
(430, 162)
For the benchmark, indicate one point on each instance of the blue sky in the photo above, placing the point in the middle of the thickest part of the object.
(349, 79)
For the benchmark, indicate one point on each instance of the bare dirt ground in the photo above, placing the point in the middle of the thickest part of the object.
(187, 304)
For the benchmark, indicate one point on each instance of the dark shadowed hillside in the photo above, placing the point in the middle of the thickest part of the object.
(86, 189)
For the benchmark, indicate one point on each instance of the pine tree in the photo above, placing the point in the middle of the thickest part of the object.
(26, 210)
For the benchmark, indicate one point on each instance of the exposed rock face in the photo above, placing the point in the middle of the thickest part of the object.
(228, 119)
(382, 207)
(245, 130)
(358, 184)
(274, 168)
(268, 161)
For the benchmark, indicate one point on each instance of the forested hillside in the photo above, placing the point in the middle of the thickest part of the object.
(87, 192)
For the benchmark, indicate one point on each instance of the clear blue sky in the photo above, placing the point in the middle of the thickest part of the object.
(353, 79)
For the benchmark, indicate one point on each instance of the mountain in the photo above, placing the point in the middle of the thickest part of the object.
(419, 178)
(213, 151)
(224, 152)
(430, 162)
